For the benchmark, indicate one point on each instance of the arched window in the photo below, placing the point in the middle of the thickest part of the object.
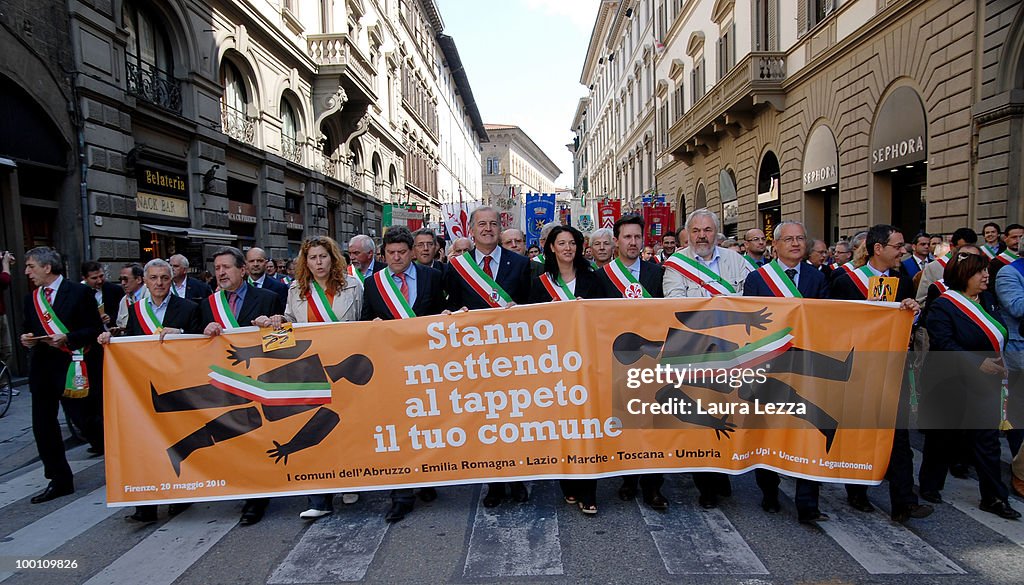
(149, 61)
(290, 148)
(235, 121)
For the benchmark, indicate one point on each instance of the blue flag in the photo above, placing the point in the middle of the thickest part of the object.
(540, 209)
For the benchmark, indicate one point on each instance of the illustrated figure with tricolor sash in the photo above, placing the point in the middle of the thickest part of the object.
(403, 290)
(296, 387)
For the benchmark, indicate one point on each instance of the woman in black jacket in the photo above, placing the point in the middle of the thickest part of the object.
(567, 276)
(962, 377)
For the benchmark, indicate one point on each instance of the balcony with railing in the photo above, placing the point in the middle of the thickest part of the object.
(152, 85)
(730, 106)
(291, 149)
(236, 124)
(337, 54)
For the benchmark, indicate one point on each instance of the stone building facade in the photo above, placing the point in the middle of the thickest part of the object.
(855, 112)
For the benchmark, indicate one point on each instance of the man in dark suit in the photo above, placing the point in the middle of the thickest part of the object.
(422, 289)
(617, 280)
(921, 256)
(72, 324)
(108, 295)
(425, 250)
(183, 285)
(256, 265)
(789, 242)
(174, 315)
(362, 252)
(246, 303)
(884, 245)
(510, 272)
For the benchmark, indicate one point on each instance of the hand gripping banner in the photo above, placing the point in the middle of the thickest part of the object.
(805, 387)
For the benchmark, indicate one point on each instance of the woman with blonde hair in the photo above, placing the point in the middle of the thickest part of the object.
(322, 292)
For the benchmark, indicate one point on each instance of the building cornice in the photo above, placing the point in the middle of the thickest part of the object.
(595, 50)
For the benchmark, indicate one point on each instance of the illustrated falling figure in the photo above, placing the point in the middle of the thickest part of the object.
(775, 351)
(297, 387)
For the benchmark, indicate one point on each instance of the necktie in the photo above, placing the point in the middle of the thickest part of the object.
(405, 286)
(923, 262)
(233, 302)
(487, 266)
(49, 294)
(791, 273)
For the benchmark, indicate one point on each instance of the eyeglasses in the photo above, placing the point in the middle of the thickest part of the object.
(793, 239)
(897, 246)
(755, 239)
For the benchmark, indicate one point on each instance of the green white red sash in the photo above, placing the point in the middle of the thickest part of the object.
(539, 258)
(558, 289)
(76, 381)
(833, 265)
(943, 260)
(622, 278)
(356, 273)
(748, 356)
(1007, 257)
(861, 277)
(696, 272)
(992, 329)
(222, 310)
(270, 393)
(988, 251)
(753, 262)
(778, 282)
(147, 317)
(320, 304)
(478, 280)
(396, 302)
(941, 285)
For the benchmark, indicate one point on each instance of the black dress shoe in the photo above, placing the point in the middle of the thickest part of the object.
(519, 493)
(428, 494)
(398, 511)
(905, 513)
(958, 471)
(95, 451)
(251, 514)
(144, 514)
(707, 502)
(656, 501)
(493, 497)
(52, 492)
(770, 504)
(860, 503)
(812, 517)
(1000, 508)
(627, 493)
(932, 496)
(175, 509)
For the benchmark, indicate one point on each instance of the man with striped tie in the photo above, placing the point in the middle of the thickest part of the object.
(403, 290)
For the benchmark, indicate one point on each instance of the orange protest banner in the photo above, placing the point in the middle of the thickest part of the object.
(573, 389)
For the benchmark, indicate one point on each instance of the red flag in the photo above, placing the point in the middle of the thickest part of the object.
(609, 212)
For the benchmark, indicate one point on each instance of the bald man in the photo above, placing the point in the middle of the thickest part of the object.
(515, 240)
(460, 246)
(256, 267)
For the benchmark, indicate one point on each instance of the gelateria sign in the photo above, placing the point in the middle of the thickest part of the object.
(161, 192)
(900, 134)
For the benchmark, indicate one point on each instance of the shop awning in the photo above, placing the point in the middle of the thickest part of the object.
(184, 232)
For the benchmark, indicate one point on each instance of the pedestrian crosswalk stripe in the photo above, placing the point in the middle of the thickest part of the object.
(30, 482)
(164, 555)
(516, 540)
(337, 548)
(694, 541)
(52, 531)
(963, 495)
(881, 546)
